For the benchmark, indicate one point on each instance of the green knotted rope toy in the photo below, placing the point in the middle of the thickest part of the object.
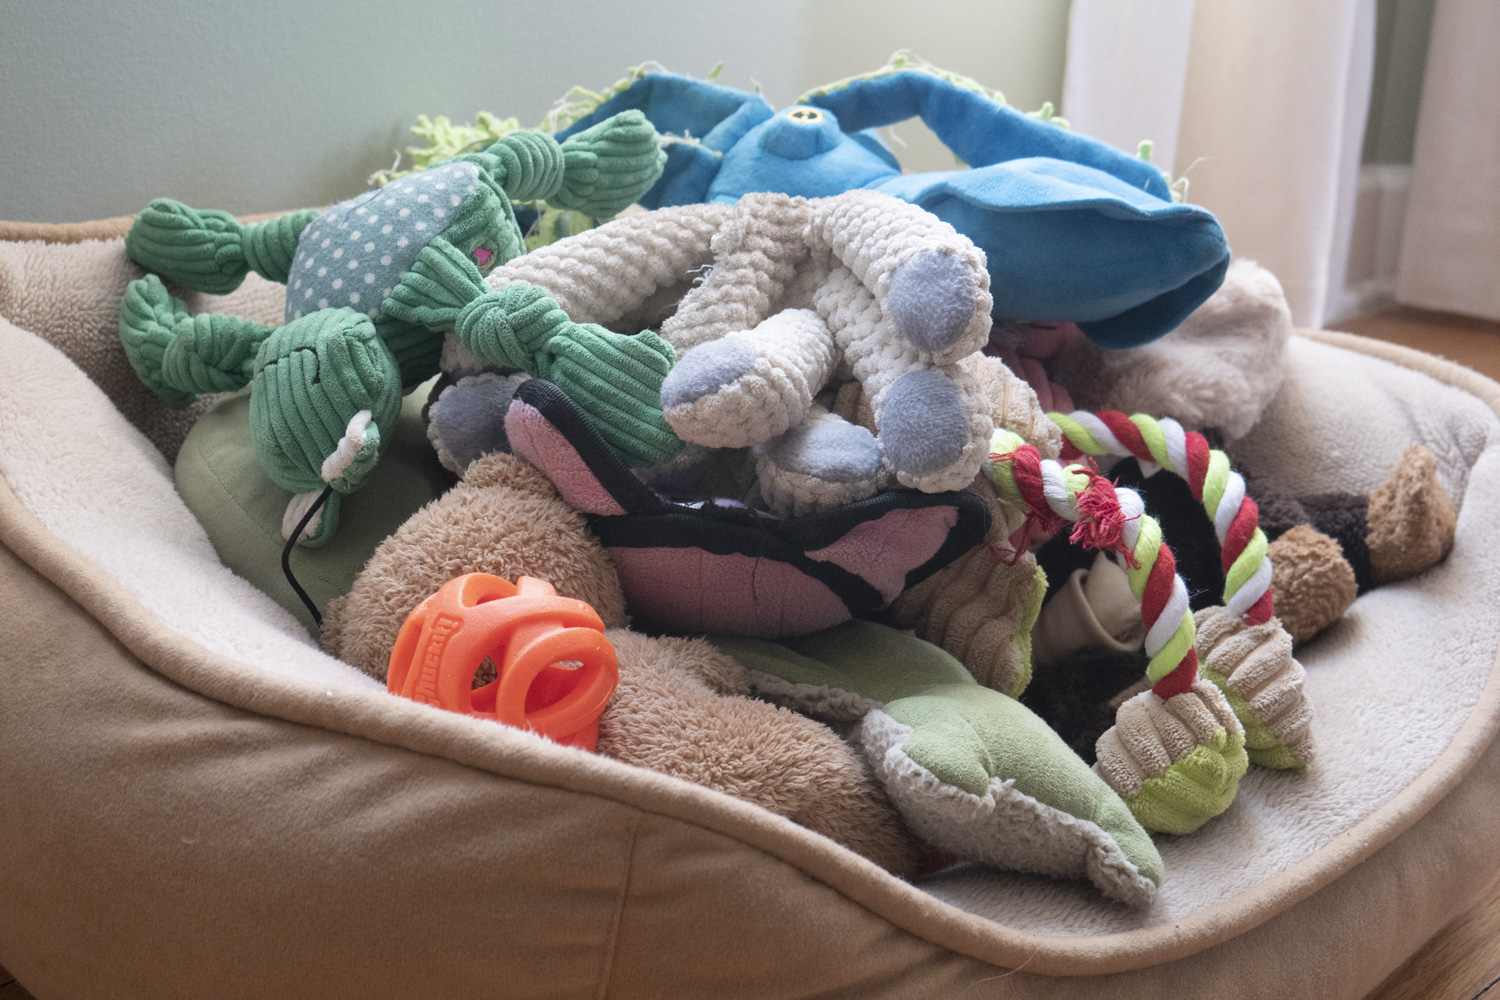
(325, 387)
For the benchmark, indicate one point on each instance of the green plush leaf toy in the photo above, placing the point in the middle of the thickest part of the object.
(971, 770)
(373, 284)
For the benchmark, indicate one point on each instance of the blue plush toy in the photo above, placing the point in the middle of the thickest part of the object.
(1073, 229)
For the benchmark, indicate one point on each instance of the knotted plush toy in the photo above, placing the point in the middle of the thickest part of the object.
(1218, 372)
(372, 285)
(1072, 229)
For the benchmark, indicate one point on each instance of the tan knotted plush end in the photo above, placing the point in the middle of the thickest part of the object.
(974, 610)
(1411, 519)
(1150, 734)
(1311, 581)
(1260, 673)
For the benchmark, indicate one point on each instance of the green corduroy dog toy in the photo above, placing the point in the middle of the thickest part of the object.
(373, 284)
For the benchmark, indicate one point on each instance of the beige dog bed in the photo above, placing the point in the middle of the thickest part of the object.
(195, 801)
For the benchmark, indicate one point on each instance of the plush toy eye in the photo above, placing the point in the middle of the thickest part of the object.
(806, 115)
(483, 255)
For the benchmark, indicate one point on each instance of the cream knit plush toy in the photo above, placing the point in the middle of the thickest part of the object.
(780, 301)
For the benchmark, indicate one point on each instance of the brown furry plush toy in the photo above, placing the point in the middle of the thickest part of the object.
(682, 707)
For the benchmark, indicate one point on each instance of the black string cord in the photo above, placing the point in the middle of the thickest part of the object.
(286, 554)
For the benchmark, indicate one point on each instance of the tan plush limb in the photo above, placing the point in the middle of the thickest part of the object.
(756, 252)
(974, 608)
(1312, 584)
(681, 709)
(1013, 403)
(602, 274)
(878, 357)
(1411, 519)
(786, 360)
(873, 234)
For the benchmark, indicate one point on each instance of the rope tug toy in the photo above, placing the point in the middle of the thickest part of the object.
(1165, 444)
(1177, 752)
(1248, 653)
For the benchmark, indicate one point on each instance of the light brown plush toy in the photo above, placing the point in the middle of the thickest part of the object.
(681, 707)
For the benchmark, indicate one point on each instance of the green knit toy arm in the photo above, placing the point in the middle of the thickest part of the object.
(210, 251)
(181, 356)
(610, 166)
(615, 379)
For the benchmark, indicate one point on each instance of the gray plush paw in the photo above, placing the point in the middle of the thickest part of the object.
(822, 463)
(705, 370)
(924, 424)
(830, 449)
(931, 300)
(468, 419)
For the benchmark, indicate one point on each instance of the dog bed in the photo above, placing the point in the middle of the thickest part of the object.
(195, 801)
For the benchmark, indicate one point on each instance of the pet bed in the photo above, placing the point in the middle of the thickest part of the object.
(195, 801)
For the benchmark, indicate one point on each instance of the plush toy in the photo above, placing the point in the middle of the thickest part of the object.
(373, 283)
(1072, 229)
(800, 295)
(748, 370)
(969, 769)
(1268, 698)
(1177, 750)
(713, 564)
(707, 567)
(681, 707)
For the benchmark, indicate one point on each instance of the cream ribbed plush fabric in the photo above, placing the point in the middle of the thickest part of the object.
(774, 299)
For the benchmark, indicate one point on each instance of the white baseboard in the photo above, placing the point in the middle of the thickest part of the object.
(1375, 240)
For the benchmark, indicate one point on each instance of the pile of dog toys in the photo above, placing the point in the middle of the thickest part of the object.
(798, 428)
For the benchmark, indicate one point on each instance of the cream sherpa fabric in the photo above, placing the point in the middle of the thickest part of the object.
(69, 294)
(1218, 369)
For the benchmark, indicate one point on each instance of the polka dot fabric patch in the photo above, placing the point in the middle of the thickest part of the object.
(355, 253)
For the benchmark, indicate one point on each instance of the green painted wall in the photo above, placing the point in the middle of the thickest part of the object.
(274, 104)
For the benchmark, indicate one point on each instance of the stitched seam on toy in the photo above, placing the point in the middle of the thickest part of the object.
(613, 940)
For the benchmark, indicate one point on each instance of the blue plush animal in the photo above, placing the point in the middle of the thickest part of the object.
(1073, 229)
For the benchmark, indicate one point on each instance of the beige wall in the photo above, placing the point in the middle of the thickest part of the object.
(261, 106)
